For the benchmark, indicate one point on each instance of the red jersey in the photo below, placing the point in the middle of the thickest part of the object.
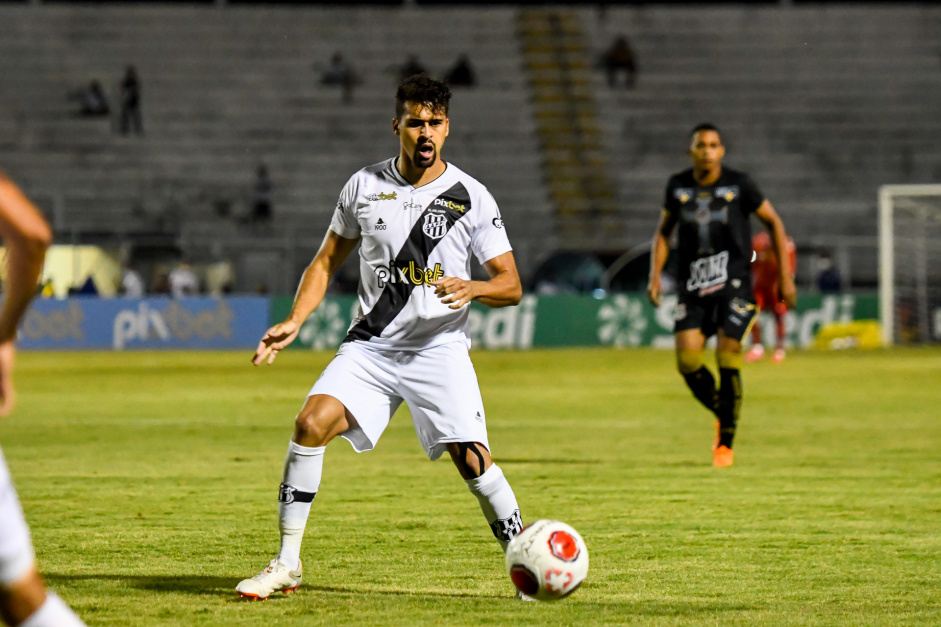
(764, 267)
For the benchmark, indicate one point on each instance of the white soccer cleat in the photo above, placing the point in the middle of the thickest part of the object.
(522, 597)
(276, 578)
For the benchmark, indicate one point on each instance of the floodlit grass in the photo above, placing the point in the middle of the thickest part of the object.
(150, 482)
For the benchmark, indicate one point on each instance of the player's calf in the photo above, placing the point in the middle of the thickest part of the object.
(729, 395)
(698, 378)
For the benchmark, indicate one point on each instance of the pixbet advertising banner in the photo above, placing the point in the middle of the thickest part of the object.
(621, 320)
(145, 323)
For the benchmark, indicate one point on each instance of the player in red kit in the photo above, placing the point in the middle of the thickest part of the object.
(767, 288)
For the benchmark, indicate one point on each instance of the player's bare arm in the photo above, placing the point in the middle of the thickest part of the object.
(775, 225)
(503, 289)
(659, 251)
(26, 237)
(333, 252)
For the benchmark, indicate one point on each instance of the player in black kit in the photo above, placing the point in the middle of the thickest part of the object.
(712, 206)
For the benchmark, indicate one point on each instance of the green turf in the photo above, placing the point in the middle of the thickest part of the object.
(150, 482)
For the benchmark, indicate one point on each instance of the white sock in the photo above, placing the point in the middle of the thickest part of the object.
(498, 504)
(53, 613)
(303, 467)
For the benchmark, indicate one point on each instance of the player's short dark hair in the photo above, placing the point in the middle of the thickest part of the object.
(705, 126)
(421, 89)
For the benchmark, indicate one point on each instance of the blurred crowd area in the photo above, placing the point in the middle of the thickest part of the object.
(200, 149)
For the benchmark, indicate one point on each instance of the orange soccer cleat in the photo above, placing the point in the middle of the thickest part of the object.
(778, 355)
(722, 457)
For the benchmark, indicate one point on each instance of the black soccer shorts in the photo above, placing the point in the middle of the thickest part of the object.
(733, 314)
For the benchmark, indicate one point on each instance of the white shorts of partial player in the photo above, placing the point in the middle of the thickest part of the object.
(16, 549)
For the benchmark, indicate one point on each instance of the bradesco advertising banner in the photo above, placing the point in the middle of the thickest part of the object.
(145, 323)
(621, 320)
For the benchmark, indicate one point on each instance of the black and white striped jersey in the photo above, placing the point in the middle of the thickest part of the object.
(410, 237)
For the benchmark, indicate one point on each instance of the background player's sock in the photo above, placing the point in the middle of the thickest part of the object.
(303, 468)
(498, 504)
(730, 401)
(697, 377)
(703, 385)
(781, 330)
(53, 613)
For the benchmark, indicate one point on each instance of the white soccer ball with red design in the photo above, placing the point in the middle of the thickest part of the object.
(547, 560)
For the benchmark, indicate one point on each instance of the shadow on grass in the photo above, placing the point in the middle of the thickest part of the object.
(225, 587)
(199, 585)
(547, 460)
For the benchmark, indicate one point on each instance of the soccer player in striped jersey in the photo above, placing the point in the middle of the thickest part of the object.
(418, 221)
(711, 205)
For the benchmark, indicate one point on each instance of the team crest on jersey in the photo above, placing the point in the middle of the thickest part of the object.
(683, 194)
(729, 193)
(381, 196)
(435, 225)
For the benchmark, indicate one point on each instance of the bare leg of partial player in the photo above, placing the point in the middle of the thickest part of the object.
(323, 418)
(24, 599)
(726, 399)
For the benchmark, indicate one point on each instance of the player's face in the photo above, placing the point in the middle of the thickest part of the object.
(706, 150)
(421, 133)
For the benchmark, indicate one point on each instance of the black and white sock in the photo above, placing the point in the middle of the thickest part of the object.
(303, 467)
(498, 504)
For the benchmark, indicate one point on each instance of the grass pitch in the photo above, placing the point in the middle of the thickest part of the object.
(150, 482)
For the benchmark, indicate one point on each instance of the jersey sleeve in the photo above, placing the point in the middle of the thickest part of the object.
(752, 198)
(670, 202)
(344, 222)
(489, 239)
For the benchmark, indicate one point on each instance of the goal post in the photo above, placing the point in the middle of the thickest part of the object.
(910, 263)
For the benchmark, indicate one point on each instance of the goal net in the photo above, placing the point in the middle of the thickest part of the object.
(910, 263)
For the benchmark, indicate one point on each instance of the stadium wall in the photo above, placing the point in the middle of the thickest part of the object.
(622, 320)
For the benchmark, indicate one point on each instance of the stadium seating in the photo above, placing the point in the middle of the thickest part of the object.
(822, 105)
(227, 89)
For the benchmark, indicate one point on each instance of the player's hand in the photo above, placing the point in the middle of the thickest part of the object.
(788, 291)
(274, 340)
(454, 292)
(7, 394)
(655, 291)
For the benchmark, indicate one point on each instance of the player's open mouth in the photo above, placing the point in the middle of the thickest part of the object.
(427, 150)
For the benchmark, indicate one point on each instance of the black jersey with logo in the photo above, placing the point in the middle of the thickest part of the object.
(714, 232)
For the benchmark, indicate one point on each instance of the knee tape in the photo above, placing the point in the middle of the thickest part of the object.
(729, 360)
(688, 361)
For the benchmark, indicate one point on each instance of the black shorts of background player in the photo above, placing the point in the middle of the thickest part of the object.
(712, 206)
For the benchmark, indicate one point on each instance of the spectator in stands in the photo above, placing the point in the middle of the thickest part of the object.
(161, 284)
(412, 67)
(461, 73)
(92, 100)
(829, 280)
(341, 74)
(620, 58)
(183, 280)
(261, 200)
(130, 102)
(132, 283)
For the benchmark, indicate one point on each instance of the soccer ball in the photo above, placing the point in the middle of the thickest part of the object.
(547, 560)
